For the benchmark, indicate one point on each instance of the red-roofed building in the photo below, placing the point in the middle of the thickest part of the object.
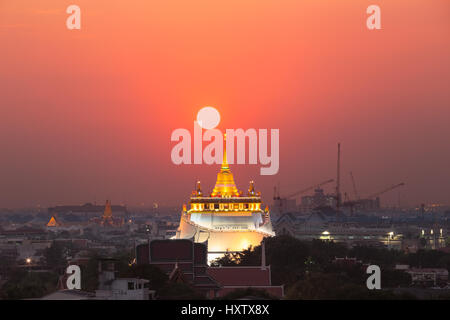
(185, 260)
(233, 278)
(182, 260)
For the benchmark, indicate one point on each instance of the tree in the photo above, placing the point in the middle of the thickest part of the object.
(26, 285)
(337, 287)
(55, 256)
(395, 278)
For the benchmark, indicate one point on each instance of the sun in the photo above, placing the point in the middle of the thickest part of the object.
(208, 117)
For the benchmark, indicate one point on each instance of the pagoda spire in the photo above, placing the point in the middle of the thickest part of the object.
(225, 166)
(107, 214)
(225, 186)
(198, 191)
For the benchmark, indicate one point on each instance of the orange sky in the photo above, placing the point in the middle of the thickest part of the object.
(87, 115)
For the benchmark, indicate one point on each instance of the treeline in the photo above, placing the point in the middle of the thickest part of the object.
(307, 270)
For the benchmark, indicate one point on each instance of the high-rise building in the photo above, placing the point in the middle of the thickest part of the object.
(319, 199)
(226, 219)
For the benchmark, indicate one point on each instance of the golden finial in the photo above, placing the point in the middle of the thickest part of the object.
(251, 189)
(199, 189)
(224, 160)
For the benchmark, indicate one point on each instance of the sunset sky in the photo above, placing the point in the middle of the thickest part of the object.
(86, 115)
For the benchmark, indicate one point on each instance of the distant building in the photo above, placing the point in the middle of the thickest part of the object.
(112, 288)
(368, 204)
(282, 205)
(107, 219)
(318, 199)
(24, 232)
(327, 224)
(426, 277)
(87, 210)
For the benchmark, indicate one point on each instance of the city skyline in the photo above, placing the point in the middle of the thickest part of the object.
(197, 154)
(87, 114)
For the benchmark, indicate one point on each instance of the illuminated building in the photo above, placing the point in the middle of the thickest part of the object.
(107, 218)
(226, 219)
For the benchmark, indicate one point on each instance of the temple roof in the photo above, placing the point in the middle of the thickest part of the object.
(241, 275)
(53, 222)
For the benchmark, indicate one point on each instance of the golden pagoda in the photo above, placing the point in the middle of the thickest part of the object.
(107, 214)
(107, 219)
(225, 186)
(228, 220)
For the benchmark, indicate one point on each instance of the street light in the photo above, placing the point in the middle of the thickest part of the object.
(28, 262)
(390, 236)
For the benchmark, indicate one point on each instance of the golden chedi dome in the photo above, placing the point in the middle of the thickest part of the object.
(225, 186)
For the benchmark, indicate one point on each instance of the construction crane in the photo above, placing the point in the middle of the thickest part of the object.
(375, 195)
(352, 203)
(281, 203)
(303, 190)
(370, 201)
(338, 179)
(354, 186)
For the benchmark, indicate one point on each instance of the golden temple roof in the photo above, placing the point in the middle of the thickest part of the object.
(225, 186)
(53, 222)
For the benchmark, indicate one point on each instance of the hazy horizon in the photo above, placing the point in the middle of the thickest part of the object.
(86, 115)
